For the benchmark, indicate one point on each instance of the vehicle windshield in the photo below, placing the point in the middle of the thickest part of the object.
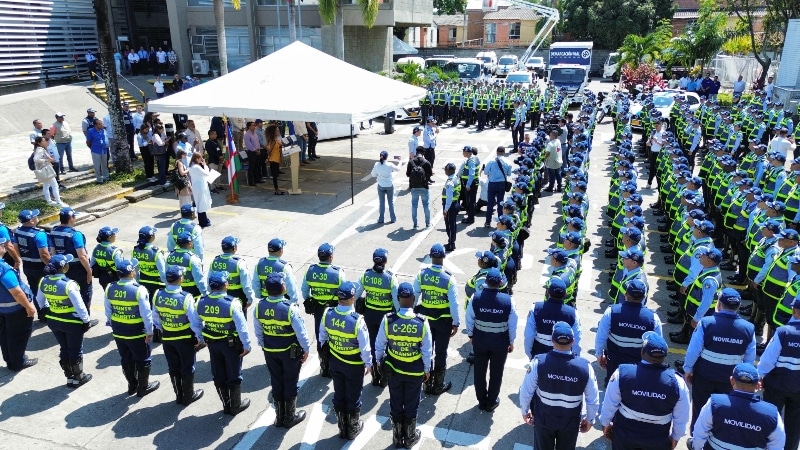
(486, 58)
(435, 63)
(535, 60)
(572, 75)
(518, 78)
(506, 61)
(612, 59)
(464, 70)
(662, 101)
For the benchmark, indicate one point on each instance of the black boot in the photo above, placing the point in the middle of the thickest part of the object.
(156, 335)
(324, 363)
(189, 395)
(439, 385)
(177, 388)
(280, 413)
(397, 432)
(65, 366)
(410, 432)
(130, 374)
(291, 416)
(225, 396)
(238, 404)
(79, 377)
(341, 421)
(376, 376)
(428, 384)
(143, 376)
(354, 423)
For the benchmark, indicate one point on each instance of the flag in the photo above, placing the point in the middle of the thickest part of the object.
(233, 161)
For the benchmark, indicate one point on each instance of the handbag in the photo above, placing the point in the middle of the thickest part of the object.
(505, 179)
(177, 180)
(45, 173)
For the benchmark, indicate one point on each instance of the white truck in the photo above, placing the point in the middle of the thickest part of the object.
(611, 65)
(569, 67)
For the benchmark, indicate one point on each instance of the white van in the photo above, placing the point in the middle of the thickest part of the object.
(507, 64)
(489, 61)
(411, 60)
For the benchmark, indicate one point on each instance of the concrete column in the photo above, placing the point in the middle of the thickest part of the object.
(368, 48)
(179, 34)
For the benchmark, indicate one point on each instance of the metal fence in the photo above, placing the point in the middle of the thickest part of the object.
(728, 69)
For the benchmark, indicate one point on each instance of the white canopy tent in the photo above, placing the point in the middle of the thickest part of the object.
(297, 82)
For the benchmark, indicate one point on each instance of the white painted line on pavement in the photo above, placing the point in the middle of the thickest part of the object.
(314, 426)
(372, 425)
(527, 261)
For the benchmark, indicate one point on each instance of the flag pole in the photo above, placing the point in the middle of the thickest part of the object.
(233, 196)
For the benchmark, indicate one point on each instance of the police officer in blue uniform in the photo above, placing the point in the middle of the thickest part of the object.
(779, 372)
(544, 315)
(152, 266)
(281, 333)
(451, 191)
(345, 332)
(438, 302)
(240, 283)
(469, 174)
(16, 316)
(106, 256)
(68, 318)
(186, 224)
(66, 240)
(32, 246)
(739, 419)
(646, 405)
(11, 257)
(319, 292)
(376, 295)
(404, 348)
(274, 263)
(491, 322)
(225, 332)
(127, 306)
(182, 333)
(619, 332)
(194, 280)
(719, 342)
(553, 392)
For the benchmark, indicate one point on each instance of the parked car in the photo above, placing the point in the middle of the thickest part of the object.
(662, 101)
(437, 61)
(411, 60)
(466, 68)
(409, 112)
(522, 77)
(536, 64)
(489, 60)
(506, 65)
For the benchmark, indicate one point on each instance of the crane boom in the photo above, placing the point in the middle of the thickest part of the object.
(551, 18)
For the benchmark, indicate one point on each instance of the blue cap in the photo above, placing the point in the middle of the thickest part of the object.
(67, 212)
(449, 166)
(574, 237)
(773, 225)
(556, 288)
(633, 233)
(437, 251)
(384, 154)
(187, 209)
(576, 222)
(635, 209)
(505, 220)
(230, 242)
(405, 290)
(746, 182)
(127, 266)
(499, 238)
(59, 261)
(730, 297)
(796, 303)
(789, 233)
(777, 206)
(794, 258)
(325, 251)
(712, 253)
(26, 215)
(346, 290)
(380, 255)
(654, 345)
(780, 157)
(706, 226)
(558, 254)
(697, 214)
(696, 181)
(494, 277)
(107, 232)
(184, 237)
(275, 283)
(146, 232)
(636, 221)
(634, 254)
(217, 280)
(486, 257)
(174, 273)
(636, 289)
(275, 245)
(562, 333)
(745, 373)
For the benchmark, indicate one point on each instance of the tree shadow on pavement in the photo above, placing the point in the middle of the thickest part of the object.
(145, 421)
(101, 412)
(30, 403)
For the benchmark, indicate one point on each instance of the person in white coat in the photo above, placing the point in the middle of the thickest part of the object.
(199, 174)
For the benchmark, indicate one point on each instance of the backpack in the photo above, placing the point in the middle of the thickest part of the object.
(31, 164)
(417, 176)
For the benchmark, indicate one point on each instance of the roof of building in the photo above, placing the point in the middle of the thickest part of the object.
(512, 14)
(694, 13)
(448, 20)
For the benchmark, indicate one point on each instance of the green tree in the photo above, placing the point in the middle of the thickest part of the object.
(444, 7)
(332, 12)
(608, 22)
(638, 49)
(702, 39)
(222, 41)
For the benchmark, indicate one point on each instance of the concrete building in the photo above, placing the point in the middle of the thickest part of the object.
(509, 27)
(451, 29)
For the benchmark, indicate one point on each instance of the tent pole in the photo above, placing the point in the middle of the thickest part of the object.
(352, 188)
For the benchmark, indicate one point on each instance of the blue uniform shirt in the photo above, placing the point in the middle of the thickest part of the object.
(429, 137)
(512, 319)
(769, 359)
(189, 304)
(452, 295)
(494, 172)
(145, 312)
(604, 327)
(710, 287)
(530, 334)
(705, 422)
(298, 325)
(531, 382)
(361, 333)
(696, 346)
(427, 341)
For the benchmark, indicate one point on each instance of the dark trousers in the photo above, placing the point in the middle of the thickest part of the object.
(518, 134)
(312, 146)
(652, 167)
(133, 351)
(284, 372)
(180, 356)
(70, 339)
(253, 168)
(494, 197)
(262, 162)
(454, 115)
(535, 118)
(702, 388)
(202, 220)
(78, 274)
(789, 404)
(430, 155)
(468, 198)
(130, 134)
(611, 367)
(481, 119)
(493, 360)
(553, 176)
(507, 118)
(149, 162)
(348, 380)
(274, 169)
(404, 396)
(450, 222)
(440, 334)
(226, 364)
(373, 320)
(15, 330)
(34, 272)
(652, 443)
(162, 161)
(563, 439)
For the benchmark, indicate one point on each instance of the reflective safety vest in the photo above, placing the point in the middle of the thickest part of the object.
(617, 291)
(275, 316)
(792, 202)
(180, 226)
(103, 255)
(378, 290)
(685, 261)
(783, 312)
(62, 238)
(434, 283)
(342, 329)
(323, 279)
(759, 257)
(216, 311)
(126, 321)
(482, 102)
(183, 257)
(562, 379)
(26, 241)
(471, 163)
(147, 257)
(787, 367)
(170, 305)
(439, 97)
(694, 295)
(56, 291)
(726, 337)
(778, 276)
(229, 263)
(456, 189)
(648, 394)
(266, 267)
(545, 315)
(404, 343)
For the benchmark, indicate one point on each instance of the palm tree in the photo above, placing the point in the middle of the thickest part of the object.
(638, 49)
(219, 21)
(331, 12)
(292, 20)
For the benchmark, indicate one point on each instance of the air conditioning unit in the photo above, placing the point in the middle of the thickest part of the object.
(200, 67)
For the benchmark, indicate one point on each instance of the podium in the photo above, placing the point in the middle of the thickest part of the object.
(293, 153)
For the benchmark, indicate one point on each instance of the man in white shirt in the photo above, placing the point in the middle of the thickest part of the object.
(656, 142)
(109, 129)
(161, 57)
(768, 90)
(137, 118)
(739, 87)
(301, 132)
(37, 130)
(553, 161)
(158, 85)
(782, 144)
(413, 142)
(133, 60)
(683, 83)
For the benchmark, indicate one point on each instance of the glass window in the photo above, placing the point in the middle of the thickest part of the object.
(237, 46)
(271, 39)
(513, 30)
(491, 33)
(210, 3)
(451, 34)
